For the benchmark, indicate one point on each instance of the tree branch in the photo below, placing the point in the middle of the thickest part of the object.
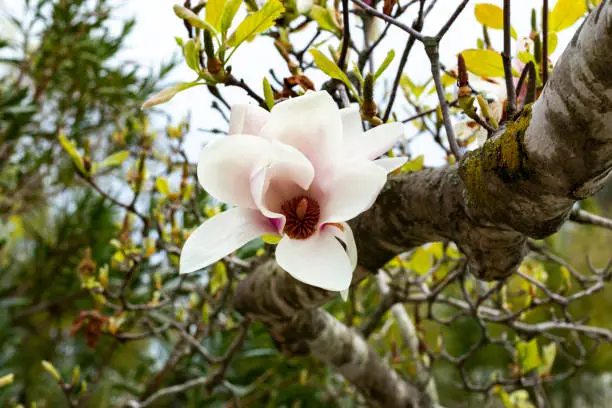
(522, 183)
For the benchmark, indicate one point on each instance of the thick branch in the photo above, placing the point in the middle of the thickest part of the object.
(522, 183)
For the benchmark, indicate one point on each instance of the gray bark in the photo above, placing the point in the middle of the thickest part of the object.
(522, 183)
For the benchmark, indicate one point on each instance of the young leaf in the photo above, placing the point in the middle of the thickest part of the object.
(385, 64)
(323, 17)
(491, 16)
(6, 380)
(421, 261)
(413, 165)
(162, 185)
(549, 353)
(565, 14)
(193, 19)
(484, 62)
(70, 148)
(229, 12)
(268, 94)
(257, 23)
(528, 355)
(167, 94)
(552, 42)
(190, 51)
(271, 239)
(330, 68)
(214, 10)
(114, 159)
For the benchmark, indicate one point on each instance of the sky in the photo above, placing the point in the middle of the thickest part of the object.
(153, 42)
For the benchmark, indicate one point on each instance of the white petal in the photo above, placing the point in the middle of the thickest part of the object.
(352, 127)
(375, 142)
(279, 180)
(303, 6)
(318, 261)
(391, 163)
(310, 123)
(350, 190)
(226, 164)
(344, 294)
(221, 235)
(247, 119)
(345, 234)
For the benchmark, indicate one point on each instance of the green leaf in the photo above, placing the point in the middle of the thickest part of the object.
(257, 23)
(268, 94)
(325, 20)
(162, 185)
(491, 16)
(385, 64)
(219, 277)
(358, 74)
(193, 19)
(505, 399)
(271, 239)
(113, 160)
(485, 63)
(553, 40)
(413, 165)
(229, 12)
(70, 148)
(330, 68)
(520, 399)
(167, 94)
(7, 380)
(565, 14)
(528, 355)
(549, 352)
(205, 313)
(421, 261)
(525, 57)
(214, 10)
(190, 52)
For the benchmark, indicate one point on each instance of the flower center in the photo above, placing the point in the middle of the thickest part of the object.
(302, 215)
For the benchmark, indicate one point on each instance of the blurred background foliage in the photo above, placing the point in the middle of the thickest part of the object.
(88, 278)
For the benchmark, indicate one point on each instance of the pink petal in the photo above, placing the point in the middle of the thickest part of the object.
(247, 119)
(375, 142)
(226, 164)
(311, 123)
(349, 190)
(318, 261)
(288, 175)
(221, 235)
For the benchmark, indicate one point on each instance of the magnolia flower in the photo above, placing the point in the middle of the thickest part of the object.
(298, 172)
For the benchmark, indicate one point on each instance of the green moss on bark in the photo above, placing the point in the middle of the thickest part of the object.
(504, 156)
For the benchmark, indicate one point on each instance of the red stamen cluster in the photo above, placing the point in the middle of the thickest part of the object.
(302, 215)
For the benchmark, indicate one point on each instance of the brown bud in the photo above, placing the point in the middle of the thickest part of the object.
(87, 266)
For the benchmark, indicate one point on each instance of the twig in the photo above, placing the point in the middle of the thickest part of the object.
(376, 13)
(507, 58)
(175, 389)
(431, 47)
(451, 20)
(417, 25)
(410, 337)
(544, 64)
(584, 217)
(346, 35)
